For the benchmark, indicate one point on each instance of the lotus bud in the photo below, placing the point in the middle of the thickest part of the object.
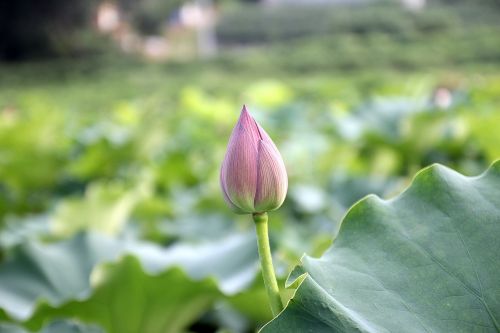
(253, 176)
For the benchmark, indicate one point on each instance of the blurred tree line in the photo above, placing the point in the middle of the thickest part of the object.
(37, 29)
(31, 28)
(148, 16)
(34, 29)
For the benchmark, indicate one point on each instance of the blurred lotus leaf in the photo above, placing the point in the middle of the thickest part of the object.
(268, 94)
(38, 281)
(105, 207)
(55, 327)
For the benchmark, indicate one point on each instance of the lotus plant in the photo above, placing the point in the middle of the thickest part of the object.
(254, 181)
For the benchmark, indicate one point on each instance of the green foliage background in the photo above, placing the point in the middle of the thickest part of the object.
(109, 165)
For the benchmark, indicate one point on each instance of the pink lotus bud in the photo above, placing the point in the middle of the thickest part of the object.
(253, 176)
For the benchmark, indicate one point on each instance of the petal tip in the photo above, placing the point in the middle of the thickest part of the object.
(249, 123)
(244, 112)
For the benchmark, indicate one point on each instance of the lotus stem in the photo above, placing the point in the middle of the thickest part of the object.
(266, 263)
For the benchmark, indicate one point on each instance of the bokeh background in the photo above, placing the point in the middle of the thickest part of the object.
(114, 118)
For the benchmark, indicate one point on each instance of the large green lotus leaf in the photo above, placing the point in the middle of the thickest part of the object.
(55, 327)
(425, 261)
(60, 272)
(126, 299)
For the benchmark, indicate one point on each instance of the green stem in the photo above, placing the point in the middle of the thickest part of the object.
(266, 262)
